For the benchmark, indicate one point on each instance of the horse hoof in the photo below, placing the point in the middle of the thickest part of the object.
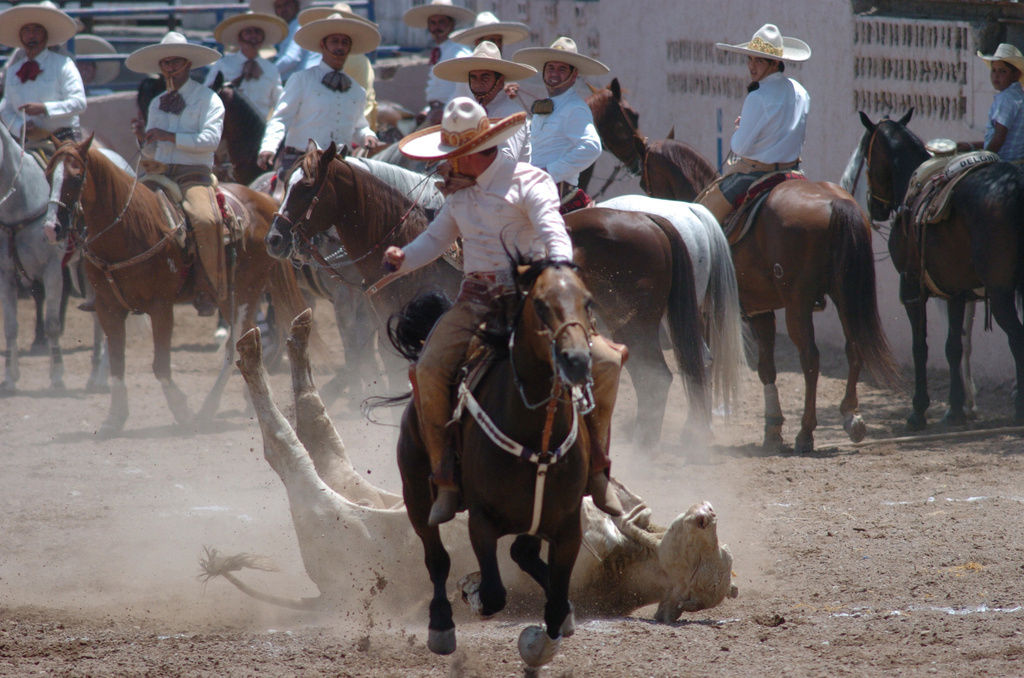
(568, 626)
(855, 427)
(39, 349)
(804, 444)
(536, 647)
(772, 439)
(916, 422)
(93, 387)
(951, 418)
(441, 642)
(58, 386)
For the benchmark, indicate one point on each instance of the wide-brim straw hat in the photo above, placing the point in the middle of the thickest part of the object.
(59, 26)
(267, 6)
(563, 50)
(416, 17)
(1008, 53)
(486, 25)
(87, 44)
(769, 43)
(364, 35)
(316, 13)
(274, 28)
(147, 59)
(464, 129)
(485, 57)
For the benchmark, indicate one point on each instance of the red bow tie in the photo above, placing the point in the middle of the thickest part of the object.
(29, 70)
(435, 55)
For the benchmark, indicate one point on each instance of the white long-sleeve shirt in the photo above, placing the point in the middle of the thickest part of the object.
(444, 90)
(565, 141)
(773, 121)
(196, 129)
(58, 86)
(511, 207)
(308, 110)
(262, 93)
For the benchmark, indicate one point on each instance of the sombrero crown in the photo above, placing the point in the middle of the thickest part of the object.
(274, 28)
(1008, 53)
(87, 44)
(769, 43)
(563, 50)
(416, 17)
(59, 26)
(364, 35)
(486, 25)
(311, 14)
(464, 129)
(485, 57)
(147, 59)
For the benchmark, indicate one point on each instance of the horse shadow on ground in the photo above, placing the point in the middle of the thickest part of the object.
(163, 431)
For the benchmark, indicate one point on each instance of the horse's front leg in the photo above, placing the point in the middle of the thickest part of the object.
(162, 317)
(970, 392)
(9, 297)
(1005, 312)
(917, 313)
(53, 286)
(483, 535)
(111, 317)
(955, 415)
(800, 326)
(537, 646)
(763, 327)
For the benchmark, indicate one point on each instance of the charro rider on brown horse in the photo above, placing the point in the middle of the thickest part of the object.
(507, 206)
(770, 131)
(183, 132)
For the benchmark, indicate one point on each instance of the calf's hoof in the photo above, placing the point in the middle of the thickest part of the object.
(536, 647)
(441, 642)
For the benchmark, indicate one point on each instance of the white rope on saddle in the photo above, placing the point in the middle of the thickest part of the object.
(466, 402)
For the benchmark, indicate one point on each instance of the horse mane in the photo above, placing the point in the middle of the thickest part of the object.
(691, 163)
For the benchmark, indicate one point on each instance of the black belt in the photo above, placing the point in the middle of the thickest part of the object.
(66, 134)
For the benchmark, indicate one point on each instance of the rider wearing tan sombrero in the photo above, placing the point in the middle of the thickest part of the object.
(255, 77)
(484, 74)
(440, 18)
(770, 131)
(488, 27)
(322, 103)
(564, 139)
(291, 57)
(1004, 133)
(182, 134)
(507, 207)
(43, 90)
(95, 73)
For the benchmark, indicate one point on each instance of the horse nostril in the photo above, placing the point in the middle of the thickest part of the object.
(574, 365)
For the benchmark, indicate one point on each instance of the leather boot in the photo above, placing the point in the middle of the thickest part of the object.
(603, 494)
(446, 505)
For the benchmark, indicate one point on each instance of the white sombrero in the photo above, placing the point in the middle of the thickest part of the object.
(563, 50)
(89, 44)
(769, 43)
(267, 6)
(274, 28)
(316, 13)
(485, 57)
(464, 129)
(59, 26)
(486, 25)
(364, 35)
(147, 59)
(417, 17)
(1008, 53)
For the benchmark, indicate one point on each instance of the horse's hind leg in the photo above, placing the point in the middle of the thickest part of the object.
(853, 422)
(970, 392)
(162, 317)
(53, 285)
(99, 362)
(12, 370)
(763, 327)
(651, 379)
(1005, 313)
(800, 326)
(955, 415)
(917, 313)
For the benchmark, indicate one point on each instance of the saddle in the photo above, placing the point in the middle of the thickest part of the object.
(234, 217)
(742, 218)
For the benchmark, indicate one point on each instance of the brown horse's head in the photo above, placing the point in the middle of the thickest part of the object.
(556, 321)
(301, 204)
(891, 154)
(66, 173)
(618, 125)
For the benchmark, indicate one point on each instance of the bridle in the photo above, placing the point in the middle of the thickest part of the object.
(885, 203)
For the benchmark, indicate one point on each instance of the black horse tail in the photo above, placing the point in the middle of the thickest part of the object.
(684, 323)
(854, 289)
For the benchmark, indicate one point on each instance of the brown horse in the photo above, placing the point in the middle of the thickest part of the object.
(523, 455)
(135, 263)
(980, 244)
(243, 132)
(636, 266)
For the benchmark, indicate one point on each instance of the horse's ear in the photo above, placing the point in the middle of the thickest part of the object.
(866, 121)
(83, 147)
(218, 81)
(616, 90)
(672, 133)
(329, 154)
(906, 118)
(593, 90)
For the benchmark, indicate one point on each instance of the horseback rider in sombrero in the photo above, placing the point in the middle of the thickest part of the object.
(43, 86)
(505, 206)
(440, 18)
(770, 131)
(180, 138)
(256, 78)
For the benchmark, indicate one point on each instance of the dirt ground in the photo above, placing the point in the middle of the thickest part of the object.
(888, 559)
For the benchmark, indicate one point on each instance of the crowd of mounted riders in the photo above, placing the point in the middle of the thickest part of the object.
(510, 168)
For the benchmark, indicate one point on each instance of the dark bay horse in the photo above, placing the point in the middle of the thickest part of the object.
(544, 358)
(636, 265)
(243, 132)
(980, 244)
(136, 264)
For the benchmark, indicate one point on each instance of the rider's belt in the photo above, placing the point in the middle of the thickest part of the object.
(492, 277)
(189, 175)
(66, 134)
(744, 165)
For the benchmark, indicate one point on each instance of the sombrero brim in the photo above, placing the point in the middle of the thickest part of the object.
(147, 59)
(426, 144)
(1015, 61)
(510, 32)
(316, 13)
(94, 45)
(538, 56)
(793, 50)
(457, 69)
(417, 16)
(274, 28)
(365, 37)
(59, 26)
